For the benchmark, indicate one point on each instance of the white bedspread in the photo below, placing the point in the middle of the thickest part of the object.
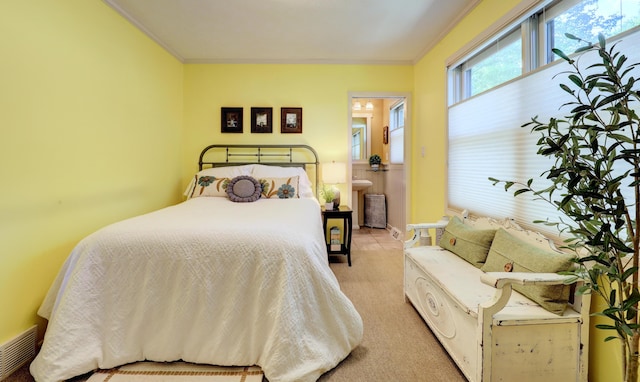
(205, 281)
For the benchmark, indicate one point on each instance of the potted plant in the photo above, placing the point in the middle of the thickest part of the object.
(328, 194)
(596, 184)
(374, 161)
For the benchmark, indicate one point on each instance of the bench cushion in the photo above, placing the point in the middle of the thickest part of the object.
(470, 243)
(461, 282)
(511, 254)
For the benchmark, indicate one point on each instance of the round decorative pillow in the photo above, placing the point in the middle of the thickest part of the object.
(244, 189)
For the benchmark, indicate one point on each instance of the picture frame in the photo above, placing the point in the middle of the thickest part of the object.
(291, 120)
(261, 120)
(385, 135)
(231, 120)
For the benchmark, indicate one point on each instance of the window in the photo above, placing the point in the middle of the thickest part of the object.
(496, 64)
(396, 133)
(485, 138)
(585, 19)
(527, 44)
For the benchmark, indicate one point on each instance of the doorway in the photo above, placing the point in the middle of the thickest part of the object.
(379, 123)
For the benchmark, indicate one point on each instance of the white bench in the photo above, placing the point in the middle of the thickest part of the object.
(490, 331)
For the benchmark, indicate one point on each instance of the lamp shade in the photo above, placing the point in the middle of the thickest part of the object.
(334, 173)
(368, 106)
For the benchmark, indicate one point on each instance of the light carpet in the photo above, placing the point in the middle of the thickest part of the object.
(397, 344)
(176, 372)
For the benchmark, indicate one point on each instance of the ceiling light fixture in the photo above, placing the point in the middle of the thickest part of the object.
(368, 106)
(357, 106)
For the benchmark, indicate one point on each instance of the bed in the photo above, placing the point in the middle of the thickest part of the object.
(209, 280)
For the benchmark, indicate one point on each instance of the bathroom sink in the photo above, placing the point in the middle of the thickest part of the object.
(357, 188)
(360, 184)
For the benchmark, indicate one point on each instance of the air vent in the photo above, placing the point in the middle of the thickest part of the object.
(18, 351)
(395, 233)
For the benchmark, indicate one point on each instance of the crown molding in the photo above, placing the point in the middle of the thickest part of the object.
(144, 30)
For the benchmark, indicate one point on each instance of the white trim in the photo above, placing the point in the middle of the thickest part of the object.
(445, 31)
(144, 30)
(521, 11)
(407, 139)
(315, 61)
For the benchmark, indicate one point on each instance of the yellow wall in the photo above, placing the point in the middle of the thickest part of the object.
(99, 124)
(321, 91)
(94, 129)
(428, 174)
(91, 118)
(605, 358)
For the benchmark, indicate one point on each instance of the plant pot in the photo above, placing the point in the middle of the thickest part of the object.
(375, 167)
(328, 206)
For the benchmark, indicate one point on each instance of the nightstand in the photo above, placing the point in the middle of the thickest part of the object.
(345, 214)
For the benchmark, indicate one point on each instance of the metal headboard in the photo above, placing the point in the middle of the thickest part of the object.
(275, 155)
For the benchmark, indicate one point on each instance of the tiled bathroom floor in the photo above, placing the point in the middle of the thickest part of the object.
(373, 239)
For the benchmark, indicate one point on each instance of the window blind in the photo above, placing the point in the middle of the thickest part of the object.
(396, 133)
(486, 140)
(396, 146)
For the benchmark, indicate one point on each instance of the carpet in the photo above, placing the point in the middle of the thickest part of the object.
(397, 344)
(177, 372)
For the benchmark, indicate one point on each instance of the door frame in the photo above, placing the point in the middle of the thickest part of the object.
(407, 140)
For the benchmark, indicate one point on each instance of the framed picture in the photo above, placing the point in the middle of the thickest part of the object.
(231, 120)
(291, 120)
(261, 120)
(385, 135)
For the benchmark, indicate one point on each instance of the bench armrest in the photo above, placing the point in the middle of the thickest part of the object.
(503, 282)
(417, 230)
(500, 279)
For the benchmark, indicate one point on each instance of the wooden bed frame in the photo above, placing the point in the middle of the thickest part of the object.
(304, 156)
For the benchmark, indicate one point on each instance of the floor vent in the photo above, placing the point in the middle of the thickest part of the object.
(17, 352)
(395, 233)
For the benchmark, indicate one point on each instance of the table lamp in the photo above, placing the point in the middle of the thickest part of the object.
(334, 173)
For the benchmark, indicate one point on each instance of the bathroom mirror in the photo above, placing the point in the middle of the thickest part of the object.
(360, 137)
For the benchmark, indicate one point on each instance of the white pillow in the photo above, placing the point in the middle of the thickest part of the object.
(263, 171)
(219, 172)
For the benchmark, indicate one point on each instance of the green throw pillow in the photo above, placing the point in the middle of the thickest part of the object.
(511, 254)
(469, 243)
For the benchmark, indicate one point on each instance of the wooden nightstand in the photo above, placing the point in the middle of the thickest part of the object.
(345, 214)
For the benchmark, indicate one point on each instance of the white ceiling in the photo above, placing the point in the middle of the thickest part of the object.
(295, 31)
